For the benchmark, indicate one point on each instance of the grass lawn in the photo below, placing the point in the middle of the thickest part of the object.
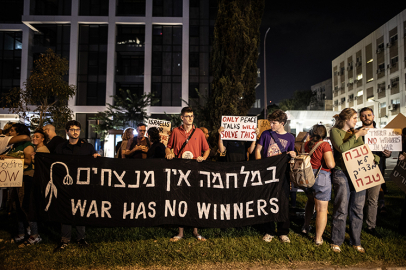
(150, 247)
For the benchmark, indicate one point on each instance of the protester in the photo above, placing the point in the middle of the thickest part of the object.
(236, 150)
(127, 137)
(319, 194)
(271, 143)
(402, 157)
(54, 140)
(187, 142)
(347, 200)
(20, 196)
(213, 150)
(372, 194)
(156, 149)
(138, 147)
(38, 139)
(74, 146)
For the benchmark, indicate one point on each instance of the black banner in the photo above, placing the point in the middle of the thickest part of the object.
(141, 193)
(398, 175)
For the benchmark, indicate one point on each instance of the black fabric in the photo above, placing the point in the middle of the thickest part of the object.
(80, 148)
(236, 150)
(157, 150)
(53, 143)
(118, 149)
(81, 198)
(137, 154)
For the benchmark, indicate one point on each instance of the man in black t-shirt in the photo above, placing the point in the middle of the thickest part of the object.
(54, 140)
(236, 150)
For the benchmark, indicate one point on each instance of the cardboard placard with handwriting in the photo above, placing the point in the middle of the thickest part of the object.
(11, 172)
(363, 171)
(164, 129)
(239, 128)
(263, 125)
(398, 175)
(379, 139)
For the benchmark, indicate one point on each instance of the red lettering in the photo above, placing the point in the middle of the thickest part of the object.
(369, 182)
(348, 153)
(236, 118)
(362, 183)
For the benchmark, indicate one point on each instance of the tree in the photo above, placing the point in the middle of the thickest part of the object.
(128, 110)
(299, 101)
(234, 59)
(44, 98)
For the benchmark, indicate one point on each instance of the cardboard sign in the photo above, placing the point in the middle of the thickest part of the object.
(363, 171)
(398, 175)
(239, 128)
(11, 172)
(164, 129)
(263, 125)
(398, 122)
(379, 139)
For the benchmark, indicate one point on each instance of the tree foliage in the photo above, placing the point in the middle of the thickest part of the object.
(128, 110)
(44, 98)
(299, 101)
(234, 60)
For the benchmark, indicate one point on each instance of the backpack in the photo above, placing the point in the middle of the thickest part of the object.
(301, 171)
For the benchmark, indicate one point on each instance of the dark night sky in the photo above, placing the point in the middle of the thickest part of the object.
(305, 38)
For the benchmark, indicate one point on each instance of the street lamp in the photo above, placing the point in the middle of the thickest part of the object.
(265, 98)
(372, 99)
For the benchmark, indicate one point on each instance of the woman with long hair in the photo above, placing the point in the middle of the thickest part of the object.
(347, 201)
(127, 137)
(319, 194)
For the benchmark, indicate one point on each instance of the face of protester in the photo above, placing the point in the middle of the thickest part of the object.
(187, 118)
(73, 132)
(46, 130)
(37, 139)
(367, 118)
(141, 131)
(276, 126)
(352, 121)
(12, 132)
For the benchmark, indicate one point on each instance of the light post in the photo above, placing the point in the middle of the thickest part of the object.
(372, 99)
(265, 97)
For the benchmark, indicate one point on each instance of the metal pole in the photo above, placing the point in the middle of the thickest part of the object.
(265, 97)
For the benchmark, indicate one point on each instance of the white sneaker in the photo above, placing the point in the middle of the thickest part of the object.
(267, 238)
(284, 239)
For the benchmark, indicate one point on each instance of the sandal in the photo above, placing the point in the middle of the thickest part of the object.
(335, 248)
(318, 243)
(200, 238)
(175, 238)
(360, 249)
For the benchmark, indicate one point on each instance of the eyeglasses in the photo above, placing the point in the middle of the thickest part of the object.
(74, 130)
(188, 116)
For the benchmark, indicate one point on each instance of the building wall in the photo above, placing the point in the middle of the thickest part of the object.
(372, 73)
(323, 96)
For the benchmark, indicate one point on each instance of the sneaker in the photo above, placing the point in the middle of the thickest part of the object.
(19, 238)
(61, 247)
(267, 238)
(31, 241)
(82, 243)
(373, 232)
(29, 230)
(284, 239)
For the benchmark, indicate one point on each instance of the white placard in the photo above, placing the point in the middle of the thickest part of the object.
(361, 168)
(379, 139)
(239, 128)
(11, 172)
(163, 126)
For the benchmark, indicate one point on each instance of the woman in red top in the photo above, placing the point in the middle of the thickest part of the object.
(320, 193)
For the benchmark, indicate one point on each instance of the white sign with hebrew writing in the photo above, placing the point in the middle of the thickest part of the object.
(363, 171)
(379, 139)
(11, 172)
(239, 128)
(164, 128)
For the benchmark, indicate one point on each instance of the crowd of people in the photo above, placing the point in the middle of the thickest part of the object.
(189, 142)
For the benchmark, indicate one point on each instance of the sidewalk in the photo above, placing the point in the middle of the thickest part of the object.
(390, 164)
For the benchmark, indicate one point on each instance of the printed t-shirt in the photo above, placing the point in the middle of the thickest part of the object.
(270, 147)
(317, 155)
(197, 143)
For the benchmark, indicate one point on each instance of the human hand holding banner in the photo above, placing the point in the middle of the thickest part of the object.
(363, 171)
(11, 172)
(239, 128)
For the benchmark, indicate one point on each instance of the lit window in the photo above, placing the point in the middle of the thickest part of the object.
(383, 105)
(359, 77)
(370, 80)
(360, 93)
(370, 61)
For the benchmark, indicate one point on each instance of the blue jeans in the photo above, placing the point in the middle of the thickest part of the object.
(346, 202)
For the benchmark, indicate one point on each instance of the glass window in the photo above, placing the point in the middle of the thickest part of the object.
(94, 8)
(167, 8)
(130, 7)
(360, 93)
(92, 65)
(11, 11)
(50, 7)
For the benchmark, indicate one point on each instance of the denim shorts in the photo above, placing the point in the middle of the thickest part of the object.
(321, 190)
